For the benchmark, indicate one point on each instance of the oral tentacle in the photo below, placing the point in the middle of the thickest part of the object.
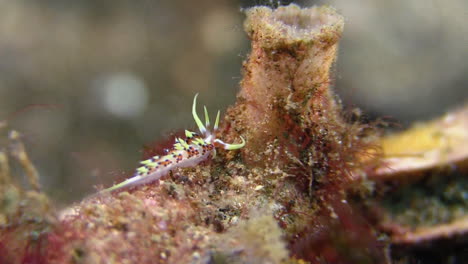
(231, 146)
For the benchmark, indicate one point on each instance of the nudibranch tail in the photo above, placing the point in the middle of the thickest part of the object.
(126, 183)
(184, 153)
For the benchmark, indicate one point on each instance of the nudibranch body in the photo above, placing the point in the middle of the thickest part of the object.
(185, 153)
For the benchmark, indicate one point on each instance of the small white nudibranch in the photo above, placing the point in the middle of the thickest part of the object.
(186, 152)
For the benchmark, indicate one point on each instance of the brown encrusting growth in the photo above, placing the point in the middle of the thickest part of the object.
(296, 193)
(298, 140)
(287, 75)
(285, 108)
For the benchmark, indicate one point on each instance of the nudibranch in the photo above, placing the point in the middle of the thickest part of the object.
(185, 152)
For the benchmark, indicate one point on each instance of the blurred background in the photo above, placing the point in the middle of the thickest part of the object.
(89, 82)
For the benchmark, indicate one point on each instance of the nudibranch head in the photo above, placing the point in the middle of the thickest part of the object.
(210, 135)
